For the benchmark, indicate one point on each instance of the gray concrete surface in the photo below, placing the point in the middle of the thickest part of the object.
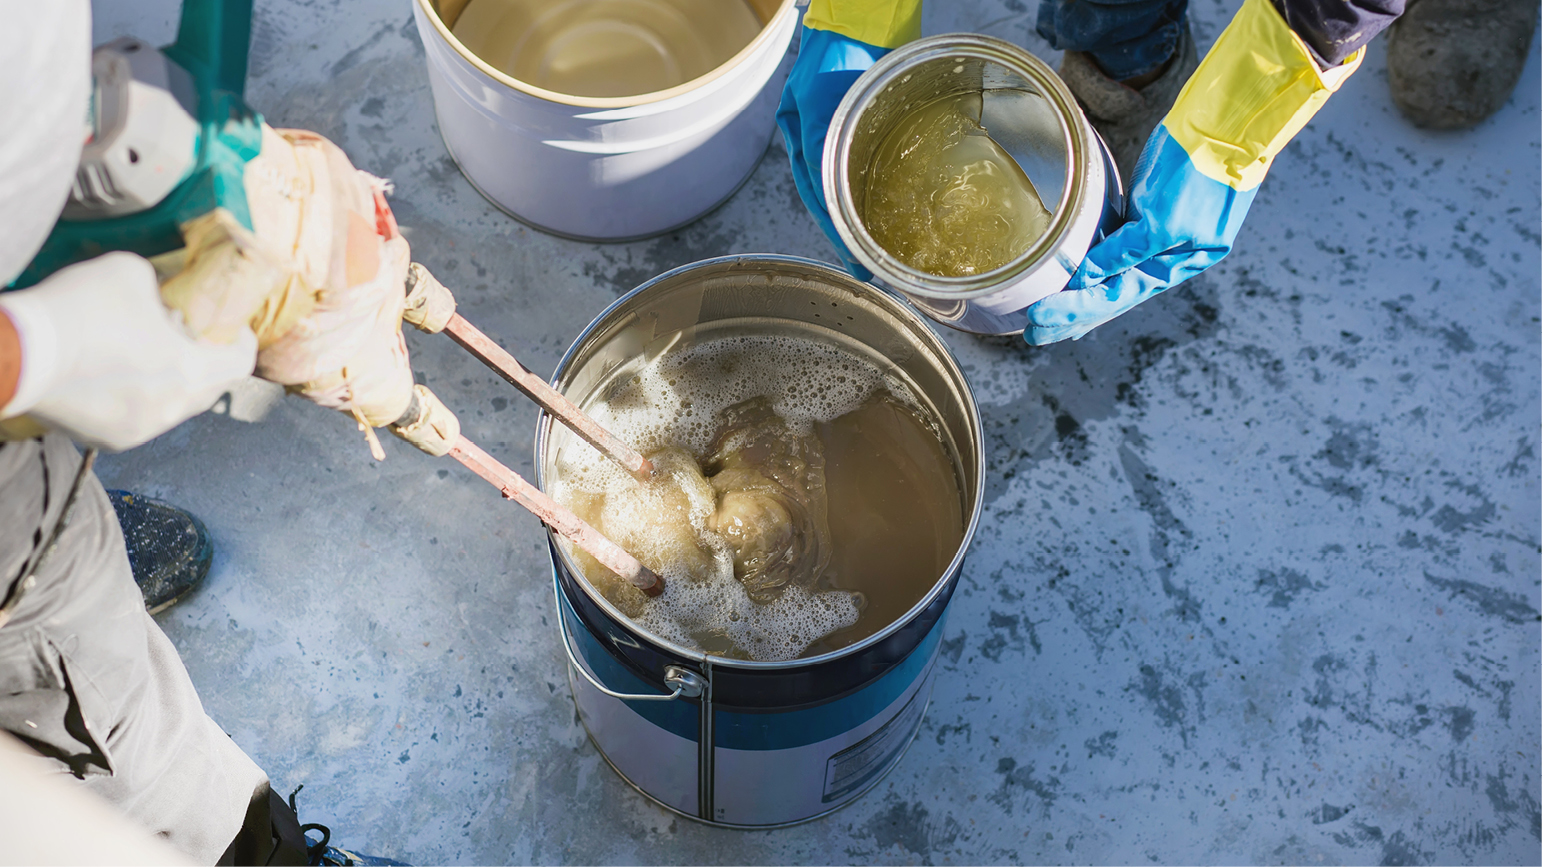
(1257, 579)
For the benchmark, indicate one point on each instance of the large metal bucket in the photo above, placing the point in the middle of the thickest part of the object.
(756, 744)
(1032, 114)
(611, 168)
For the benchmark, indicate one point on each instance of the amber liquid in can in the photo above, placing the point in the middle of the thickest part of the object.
(944, 198)
(606, 48)
(896, 516)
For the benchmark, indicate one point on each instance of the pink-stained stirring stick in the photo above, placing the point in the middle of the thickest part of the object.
(431, 307)
(557, 516)
(551, 400)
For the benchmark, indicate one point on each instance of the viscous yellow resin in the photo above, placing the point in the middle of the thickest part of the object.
(606, 48)
(945, 198)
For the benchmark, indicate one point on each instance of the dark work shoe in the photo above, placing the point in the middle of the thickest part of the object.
(322, 852)
(1452, 63)
(168, 549)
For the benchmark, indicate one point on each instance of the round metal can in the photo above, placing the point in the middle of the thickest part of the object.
(733, 742)
(1031, 113)
(606, 168)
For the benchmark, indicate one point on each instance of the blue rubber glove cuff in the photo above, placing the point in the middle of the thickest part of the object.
(1181, 222)
(827, 65)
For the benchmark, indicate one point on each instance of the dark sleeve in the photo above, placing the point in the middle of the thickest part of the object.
(1335, 29)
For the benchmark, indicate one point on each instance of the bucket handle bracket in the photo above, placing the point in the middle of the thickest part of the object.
(684, 682)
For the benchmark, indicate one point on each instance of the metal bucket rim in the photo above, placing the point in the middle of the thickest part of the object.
(837, 170)
(897, 307)
(766, 32)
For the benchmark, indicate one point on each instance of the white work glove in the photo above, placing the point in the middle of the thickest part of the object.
(106, 363)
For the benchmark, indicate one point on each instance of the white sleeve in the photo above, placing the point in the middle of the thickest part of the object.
(45, 92)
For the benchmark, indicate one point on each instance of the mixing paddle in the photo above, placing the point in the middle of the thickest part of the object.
(505, 365)
(557, 516)
(431, 308)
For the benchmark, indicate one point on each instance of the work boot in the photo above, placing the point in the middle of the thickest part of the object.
(323, 853)
(168, 549)
(1452, 63)
(1124, 115)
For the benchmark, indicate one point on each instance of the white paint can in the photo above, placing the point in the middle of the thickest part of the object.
(606, 168)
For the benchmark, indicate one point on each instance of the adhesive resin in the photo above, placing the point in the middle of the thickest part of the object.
(801, 499)
(944, 198)
(606, 48)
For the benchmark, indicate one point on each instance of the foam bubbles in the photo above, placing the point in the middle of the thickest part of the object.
(671, 407)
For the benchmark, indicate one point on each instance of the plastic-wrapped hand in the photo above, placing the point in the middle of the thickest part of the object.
(1198, 172)
(106, 363)
(841, 39)
(321, 279)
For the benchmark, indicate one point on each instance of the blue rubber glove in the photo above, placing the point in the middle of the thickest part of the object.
(1181, 223)
(1199, 171)
(828, 64)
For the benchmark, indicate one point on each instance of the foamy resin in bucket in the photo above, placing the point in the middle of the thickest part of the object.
(606, 48)
(802, 498)
(945, 198)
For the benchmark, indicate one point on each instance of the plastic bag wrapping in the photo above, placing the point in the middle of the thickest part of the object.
(226, 280)
(432, 427)
(331, 222)
(319, 279)
(430, 306)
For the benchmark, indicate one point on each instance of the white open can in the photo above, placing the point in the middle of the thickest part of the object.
(606, 168)
(1030, 112)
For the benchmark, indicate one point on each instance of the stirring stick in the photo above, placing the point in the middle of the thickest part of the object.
(535, 388)
(556, 516)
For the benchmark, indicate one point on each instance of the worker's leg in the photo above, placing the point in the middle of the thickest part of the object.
(1126, 61)
(90, 681)
(1127, 38)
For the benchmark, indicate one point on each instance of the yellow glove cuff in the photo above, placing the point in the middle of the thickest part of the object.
(884, 23)
(1255, 90)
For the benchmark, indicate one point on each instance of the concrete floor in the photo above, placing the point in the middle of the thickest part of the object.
(1257, 579)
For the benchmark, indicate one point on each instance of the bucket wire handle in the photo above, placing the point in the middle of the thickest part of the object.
(685, 682)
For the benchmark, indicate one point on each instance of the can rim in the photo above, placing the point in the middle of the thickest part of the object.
(429, 10)
(897, 307)
(837, 158)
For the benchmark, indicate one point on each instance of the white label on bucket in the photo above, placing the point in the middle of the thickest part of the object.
(852, 768)
(771, 787)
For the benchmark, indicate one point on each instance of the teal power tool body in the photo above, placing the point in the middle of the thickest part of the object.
(170, 139)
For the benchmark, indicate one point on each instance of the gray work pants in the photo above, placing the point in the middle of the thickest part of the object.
(90, 681)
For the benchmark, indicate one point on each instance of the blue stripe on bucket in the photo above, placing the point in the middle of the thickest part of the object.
(677, 717)
(771, 730)
(785, 730)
